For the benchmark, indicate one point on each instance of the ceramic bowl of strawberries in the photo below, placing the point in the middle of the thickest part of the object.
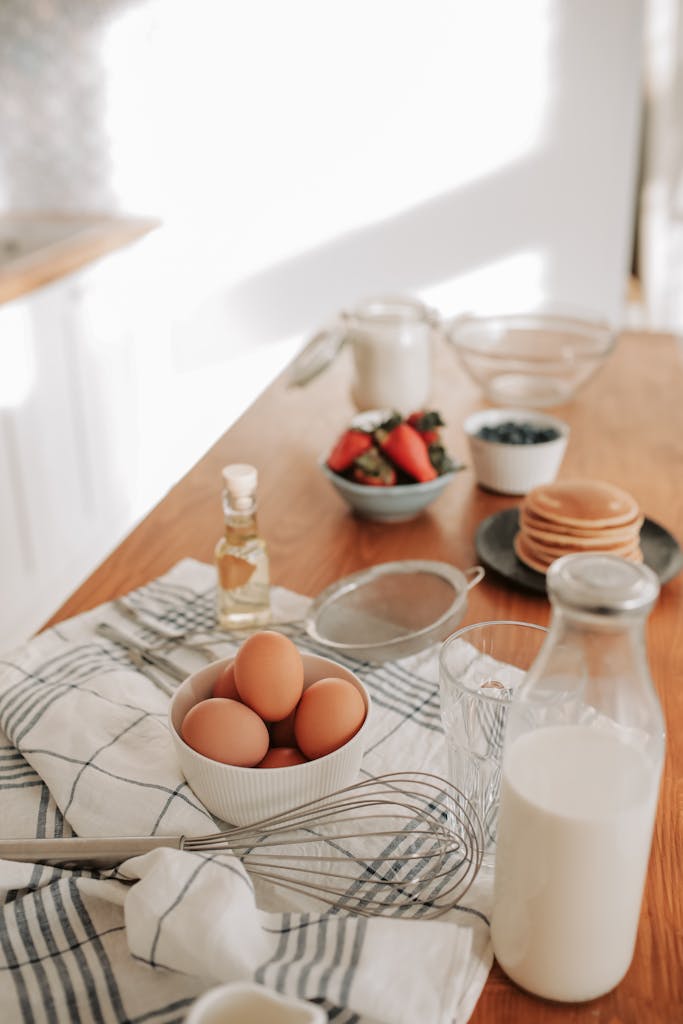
(389, 467)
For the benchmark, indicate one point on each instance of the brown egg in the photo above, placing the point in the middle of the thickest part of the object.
(269, 674)
(225, 684)
(226, 731)
(330, 712)
(282, 757)
(282, 733)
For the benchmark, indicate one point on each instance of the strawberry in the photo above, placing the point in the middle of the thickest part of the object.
(373, 469)
(349, 446)
(427, 424)
(441, 460)
(405, 446)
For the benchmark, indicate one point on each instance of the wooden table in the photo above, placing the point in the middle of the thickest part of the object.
(627, 427)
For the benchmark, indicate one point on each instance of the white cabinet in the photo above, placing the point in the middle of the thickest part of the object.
(61, 454)
(112, 384)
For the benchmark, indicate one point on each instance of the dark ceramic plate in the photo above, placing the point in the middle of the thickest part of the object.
(494, 548)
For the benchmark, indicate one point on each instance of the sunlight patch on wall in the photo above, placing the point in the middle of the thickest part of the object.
(266, 129)
(512, 284)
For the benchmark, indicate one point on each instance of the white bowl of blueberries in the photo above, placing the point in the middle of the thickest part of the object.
(515, 450)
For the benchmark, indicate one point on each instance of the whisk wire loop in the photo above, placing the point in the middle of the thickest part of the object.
(404, 843)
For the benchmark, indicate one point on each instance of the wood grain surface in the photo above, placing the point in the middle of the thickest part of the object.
(626, 427)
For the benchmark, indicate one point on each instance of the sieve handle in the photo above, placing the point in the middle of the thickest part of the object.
(83, 852)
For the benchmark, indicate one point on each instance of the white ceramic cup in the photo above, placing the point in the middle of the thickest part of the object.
(246, 1002)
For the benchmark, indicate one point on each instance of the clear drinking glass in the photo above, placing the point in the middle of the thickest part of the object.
(480, 668)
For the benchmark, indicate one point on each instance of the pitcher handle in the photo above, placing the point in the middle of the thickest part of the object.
(319, 352)
(474, 575)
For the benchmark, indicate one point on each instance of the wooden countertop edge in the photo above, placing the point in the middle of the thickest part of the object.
(101, 237)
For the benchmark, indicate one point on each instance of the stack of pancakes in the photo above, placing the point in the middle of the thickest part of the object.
(567, 516)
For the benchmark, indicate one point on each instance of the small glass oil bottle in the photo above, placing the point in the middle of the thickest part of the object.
(243, 592)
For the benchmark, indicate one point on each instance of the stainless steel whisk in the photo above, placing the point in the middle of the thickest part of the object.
(405, 843)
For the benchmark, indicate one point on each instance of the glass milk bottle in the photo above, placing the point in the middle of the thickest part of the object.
(582, 762)
(243, 592)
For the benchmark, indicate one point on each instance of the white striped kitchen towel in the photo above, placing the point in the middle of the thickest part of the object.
(85, 750)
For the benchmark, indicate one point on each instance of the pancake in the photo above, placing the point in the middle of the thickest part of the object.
(598, 540)
(571, 516)
(547, 552)
(540, 559)
(588, 504)
(530, 521)
(527, 557)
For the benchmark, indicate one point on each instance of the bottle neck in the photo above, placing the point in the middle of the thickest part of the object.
(593, 667)
(611, 648)
(239, 516)
(242, 504)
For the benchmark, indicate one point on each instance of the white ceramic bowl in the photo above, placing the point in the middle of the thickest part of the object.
(394, 504)
(514, 468)
(533, 360)
(242, 796)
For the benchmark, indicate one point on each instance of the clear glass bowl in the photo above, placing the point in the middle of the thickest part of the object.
(533, 360)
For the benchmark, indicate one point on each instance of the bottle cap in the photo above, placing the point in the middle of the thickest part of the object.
(602, 584)
(240, 479)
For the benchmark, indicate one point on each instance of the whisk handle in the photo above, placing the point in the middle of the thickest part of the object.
(78, 851)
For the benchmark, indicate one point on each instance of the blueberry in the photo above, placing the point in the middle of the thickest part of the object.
(511, 432)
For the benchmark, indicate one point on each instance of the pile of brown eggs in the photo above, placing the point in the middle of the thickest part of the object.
(260, 716)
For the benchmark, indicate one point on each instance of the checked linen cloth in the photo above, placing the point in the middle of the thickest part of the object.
(85, 750)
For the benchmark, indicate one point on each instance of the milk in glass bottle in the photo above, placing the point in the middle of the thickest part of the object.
(582, 762)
